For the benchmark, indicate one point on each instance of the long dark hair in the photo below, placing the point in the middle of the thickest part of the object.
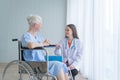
(74, 30)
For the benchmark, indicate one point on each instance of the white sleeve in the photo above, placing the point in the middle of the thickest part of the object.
(77, 60)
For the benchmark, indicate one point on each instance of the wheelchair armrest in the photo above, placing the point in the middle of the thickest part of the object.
(50, 46)
(37, 48)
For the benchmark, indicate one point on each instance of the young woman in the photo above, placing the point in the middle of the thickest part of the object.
(32, 39)
(70, 49)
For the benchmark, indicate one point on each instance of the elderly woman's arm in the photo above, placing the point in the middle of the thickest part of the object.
(35, 44)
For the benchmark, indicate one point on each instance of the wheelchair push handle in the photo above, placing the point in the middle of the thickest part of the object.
(14, 39)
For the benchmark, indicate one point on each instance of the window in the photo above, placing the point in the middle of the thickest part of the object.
(98, 27)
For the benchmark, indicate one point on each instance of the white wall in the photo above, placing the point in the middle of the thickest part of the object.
(13, 22)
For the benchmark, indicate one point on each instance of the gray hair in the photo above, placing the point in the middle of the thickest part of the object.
(32, 19)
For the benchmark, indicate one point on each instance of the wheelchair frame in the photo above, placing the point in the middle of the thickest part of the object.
(27, 67)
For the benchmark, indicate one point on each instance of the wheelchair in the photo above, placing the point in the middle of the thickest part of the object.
(28, 70)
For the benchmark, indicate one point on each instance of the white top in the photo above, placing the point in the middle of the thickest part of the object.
(72, 54)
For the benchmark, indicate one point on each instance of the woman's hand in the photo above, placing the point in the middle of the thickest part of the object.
(46, 42)
(57, 46)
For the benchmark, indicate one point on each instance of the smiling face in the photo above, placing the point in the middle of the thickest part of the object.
(71, 32)
(68, 32)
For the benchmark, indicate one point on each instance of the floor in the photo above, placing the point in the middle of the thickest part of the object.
(12, 73)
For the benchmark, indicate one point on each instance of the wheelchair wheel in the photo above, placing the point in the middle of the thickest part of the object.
(53, 78)
(12, 71)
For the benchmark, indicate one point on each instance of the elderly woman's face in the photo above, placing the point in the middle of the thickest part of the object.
(38, 26)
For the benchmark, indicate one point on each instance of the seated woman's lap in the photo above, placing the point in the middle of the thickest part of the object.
(56, 66)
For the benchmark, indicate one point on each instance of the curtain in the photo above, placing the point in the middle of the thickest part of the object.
(98, 25)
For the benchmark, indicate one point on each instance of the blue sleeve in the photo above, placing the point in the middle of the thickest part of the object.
(26, 38)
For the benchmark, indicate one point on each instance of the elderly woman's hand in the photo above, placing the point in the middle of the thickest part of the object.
(46, 42)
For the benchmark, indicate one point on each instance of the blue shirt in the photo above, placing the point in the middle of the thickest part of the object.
(32, 55)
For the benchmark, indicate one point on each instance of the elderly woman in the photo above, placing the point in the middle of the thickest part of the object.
(32, 39)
